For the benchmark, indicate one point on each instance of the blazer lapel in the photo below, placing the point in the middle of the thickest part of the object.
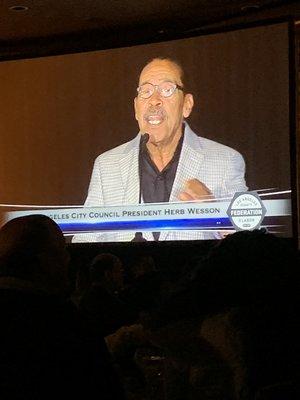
(189, 166)
(129, 170)
(130, 174)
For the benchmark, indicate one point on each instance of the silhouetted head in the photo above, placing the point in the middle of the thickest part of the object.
(107, 269)
(255, 248)
(142, 266)
(32, 248)
(256, 264)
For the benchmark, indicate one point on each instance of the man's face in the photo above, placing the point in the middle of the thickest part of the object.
(158, 116)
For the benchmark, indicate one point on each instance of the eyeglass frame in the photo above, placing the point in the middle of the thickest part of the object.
(156, 87)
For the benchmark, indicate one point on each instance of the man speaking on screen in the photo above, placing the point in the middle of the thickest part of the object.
(166, 161)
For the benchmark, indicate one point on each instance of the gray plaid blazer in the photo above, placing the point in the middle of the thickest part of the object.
(115, 181)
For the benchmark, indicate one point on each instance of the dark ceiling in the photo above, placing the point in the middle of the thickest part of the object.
(39, 27)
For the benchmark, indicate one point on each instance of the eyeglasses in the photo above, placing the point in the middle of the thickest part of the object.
(165, 89)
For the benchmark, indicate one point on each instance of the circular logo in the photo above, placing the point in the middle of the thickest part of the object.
(246, 211)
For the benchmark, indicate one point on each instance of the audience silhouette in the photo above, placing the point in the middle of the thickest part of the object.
(46, 349)
(225, 326)
(237, 309)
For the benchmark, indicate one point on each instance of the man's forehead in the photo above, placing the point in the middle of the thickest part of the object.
(161, 70)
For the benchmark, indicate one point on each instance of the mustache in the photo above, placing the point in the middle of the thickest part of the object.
(155, 111)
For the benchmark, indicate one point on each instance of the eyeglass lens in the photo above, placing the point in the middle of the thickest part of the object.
(165, 89)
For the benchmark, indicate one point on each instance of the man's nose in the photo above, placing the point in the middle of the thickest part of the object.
(155, 99)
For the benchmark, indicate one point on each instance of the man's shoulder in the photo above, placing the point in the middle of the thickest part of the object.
(213, 145)
(208, 145)
(119, 151)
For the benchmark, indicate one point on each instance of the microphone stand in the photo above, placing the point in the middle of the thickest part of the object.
(138, 237)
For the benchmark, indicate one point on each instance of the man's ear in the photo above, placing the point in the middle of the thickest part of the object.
(188, 105)
(135, 108)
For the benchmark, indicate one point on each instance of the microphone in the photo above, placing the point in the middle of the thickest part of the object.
(138, 237)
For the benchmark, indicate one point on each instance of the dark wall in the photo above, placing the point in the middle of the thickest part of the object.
(58, 113)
